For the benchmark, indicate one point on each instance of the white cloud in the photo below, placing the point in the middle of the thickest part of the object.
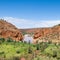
(22, 23)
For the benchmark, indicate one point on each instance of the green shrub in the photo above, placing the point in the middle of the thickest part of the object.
(2, 39)
(54, 54)
(1, 52)
(38, 47)
(43, 46)
(9, 40)
(29, 50)
(17, 51)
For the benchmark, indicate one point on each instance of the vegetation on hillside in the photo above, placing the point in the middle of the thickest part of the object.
(12, 50)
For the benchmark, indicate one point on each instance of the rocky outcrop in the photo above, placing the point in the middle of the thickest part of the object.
(7, 30)
(44, 34)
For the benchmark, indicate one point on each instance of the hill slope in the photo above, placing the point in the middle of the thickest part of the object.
(7, 30)
(44, 34)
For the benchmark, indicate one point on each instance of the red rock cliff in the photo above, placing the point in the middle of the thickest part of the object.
(9, 30)
(51, 33)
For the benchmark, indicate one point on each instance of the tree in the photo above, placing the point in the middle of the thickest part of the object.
(2, 39)
(54, 54)
(29, 49)
(9, 39)
(37, 46)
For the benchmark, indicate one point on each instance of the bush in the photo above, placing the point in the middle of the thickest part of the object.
(18, 52)
(29, 50)
(9, 40)
(43, 46)
(38, 47)
(1, 52)
(54, 54)
(2, 39)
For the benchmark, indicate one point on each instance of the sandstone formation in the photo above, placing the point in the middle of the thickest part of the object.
(7, 30)
(45, 34)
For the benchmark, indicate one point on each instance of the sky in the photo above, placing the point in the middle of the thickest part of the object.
(31, 13)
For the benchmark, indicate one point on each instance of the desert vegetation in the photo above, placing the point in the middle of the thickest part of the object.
(12, 50)
(12, 46)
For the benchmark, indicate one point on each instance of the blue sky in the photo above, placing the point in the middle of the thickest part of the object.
(31, 13)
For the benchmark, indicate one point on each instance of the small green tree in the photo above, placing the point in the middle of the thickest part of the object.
(2, 39)
(29, 49)
(17, 51)
(37, 46)
(43, 46)
(54, 54)
(9, 39)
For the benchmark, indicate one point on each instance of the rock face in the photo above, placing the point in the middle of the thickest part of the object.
(45, 34)
(7, 30)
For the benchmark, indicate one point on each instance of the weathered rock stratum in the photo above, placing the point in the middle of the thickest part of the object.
(7, 30)
(45, 34)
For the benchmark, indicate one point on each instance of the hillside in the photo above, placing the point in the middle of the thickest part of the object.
(7, 30)
(44, 34)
